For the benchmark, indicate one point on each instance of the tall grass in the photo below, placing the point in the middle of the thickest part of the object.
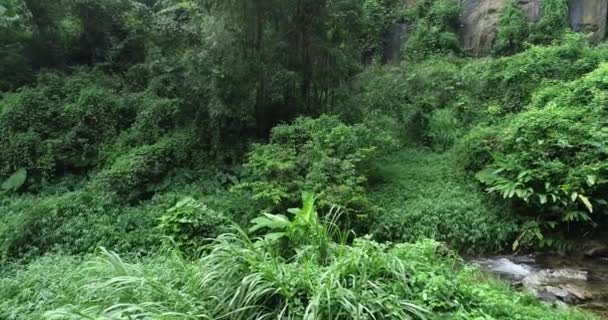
(244, 278)
(239, 280)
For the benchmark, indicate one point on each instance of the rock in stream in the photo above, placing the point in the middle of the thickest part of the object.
(562, 280)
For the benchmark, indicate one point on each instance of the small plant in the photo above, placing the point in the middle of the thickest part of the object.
(190, 224)
(305, 229)
(443, 128)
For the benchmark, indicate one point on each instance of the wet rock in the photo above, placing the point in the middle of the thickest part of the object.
(396, 36)
(594, 305)
(596, 250)
(589, 16)
(506, 268)
(545, 295)
(556, 293)
(569, 294)
(549, 276)
(580, 293)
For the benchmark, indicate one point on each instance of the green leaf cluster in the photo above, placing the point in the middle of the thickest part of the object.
(324, 155)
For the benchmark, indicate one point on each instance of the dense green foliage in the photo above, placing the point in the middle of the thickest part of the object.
(321, 155)
(245, 278)
(435, 29)
(513, 29)
(426, 197)
(155, 128)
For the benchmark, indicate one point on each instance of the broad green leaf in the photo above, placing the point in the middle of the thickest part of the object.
(308, 206)
(294, 211)
(15, 181)
(586, 202)
(184, 202)
(515, 245)
(486, 176)
(274, 236)
(591, 180)
(270, 221)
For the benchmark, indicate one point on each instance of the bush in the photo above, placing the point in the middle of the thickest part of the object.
(137, 174)
(411, 93)
(443, 128)
(552, 156)
(435, 29)
(323, 155)
(59, 125)
(553, 23)
(190, 224)
(508, 82)
(74, 222)
(512, 29)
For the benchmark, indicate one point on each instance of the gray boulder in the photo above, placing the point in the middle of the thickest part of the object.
(479, 21)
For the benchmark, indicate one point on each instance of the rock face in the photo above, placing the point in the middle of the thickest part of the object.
(531, 8)
(479, 20)
(396, 36)
(589, 16)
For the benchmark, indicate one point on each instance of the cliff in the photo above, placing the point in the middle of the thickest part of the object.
(479, 19)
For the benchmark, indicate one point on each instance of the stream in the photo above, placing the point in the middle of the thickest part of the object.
(574, 280)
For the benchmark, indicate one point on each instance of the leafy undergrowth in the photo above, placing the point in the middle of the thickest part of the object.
(427, 195)
(241, 280)
(78, 221)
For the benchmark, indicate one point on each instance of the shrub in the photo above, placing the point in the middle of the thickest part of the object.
(443, 128)
(74, 222)
(137, 173)
(553, 156)
(512, 29)
(189, 224)
(323, 155)
(435, 26)
(411, 93)
(59, 125)
(553, 23)
(508, 82)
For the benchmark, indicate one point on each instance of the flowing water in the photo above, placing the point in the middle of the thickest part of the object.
(574, 280)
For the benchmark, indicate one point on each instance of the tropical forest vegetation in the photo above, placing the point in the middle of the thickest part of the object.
(264, 159)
